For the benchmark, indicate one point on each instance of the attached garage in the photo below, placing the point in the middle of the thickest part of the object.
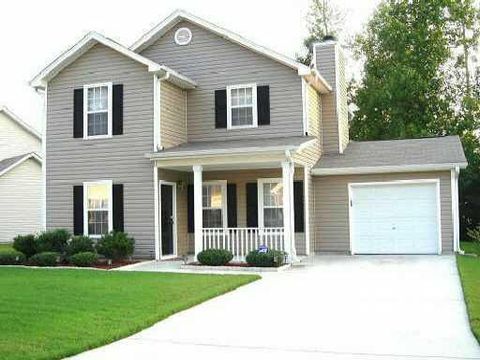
(388, 197)
(399, 217)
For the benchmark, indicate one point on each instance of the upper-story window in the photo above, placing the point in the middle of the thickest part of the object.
(242, 106)
(97, 110)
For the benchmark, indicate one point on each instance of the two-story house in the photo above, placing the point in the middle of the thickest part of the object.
(21, 187)
(195, 138)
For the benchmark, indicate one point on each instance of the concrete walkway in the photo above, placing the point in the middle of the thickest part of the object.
(336, 308)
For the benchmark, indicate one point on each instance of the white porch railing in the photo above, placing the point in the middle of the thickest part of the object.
(240, 241)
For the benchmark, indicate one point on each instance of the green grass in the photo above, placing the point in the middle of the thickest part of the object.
(5, 247)
(53, 313)
(469, 269)
(470, 247)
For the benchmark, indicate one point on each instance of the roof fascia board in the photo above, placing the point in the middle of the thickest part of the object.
(86, 43)
(20, 122)
(387, 169)
(20, 161)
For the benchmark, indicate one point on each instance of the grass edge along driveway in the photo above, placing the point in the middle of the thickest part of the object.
(469, 270)
(54, 313)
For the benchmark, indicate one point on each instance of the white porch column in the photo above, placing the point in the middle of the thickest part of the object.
(288, 212)
(197, 204)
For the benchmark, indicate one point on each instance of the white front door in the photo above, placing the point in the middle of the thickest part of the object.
(395, 218)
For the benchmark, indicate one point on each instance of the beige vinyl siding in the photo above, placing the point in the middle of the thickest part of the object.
(308, 155)
(173, 121)
(21, 200)
(181, 179)
(330, 62)
(314, 114)
(15, 140)
(121, 158)
(214, 62)
(331, 222)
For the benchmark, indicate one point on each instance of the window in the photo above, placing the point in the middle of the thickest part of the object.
(97, 103)
(97, 208)
(183, 36)
(270, 202)
(214, 204)
(242, 106)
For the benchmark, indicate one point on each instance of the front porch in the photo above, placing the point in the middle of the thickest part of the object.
(238, 210)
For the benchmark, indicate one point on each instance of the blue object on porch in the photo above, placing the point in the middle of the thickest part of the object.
(263, 249)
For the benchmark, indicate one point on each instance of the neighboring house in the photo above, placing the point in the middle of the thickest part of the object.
(195, 137)
(20, 177)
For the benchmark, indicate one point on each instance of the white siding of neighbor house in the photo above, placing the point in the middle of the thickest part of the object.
(214, 62)
(71, 161)
(21, 200)
(15, 140)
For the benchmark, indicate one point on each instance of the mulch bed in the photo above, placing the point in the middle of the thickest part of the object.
(103, 264)
(237, 264)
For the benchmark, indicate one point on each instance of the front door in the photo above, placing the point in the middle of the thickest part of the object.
(167, 211)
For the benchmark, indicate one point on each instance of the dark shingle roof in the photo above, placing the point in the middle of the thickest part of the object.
(412, 152)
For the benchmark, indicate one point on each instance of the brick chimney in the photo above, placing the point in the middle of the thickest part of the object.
(329, 60)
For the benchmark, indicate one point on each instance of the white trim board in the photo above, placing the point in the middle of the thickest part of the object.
(350, 187)
(385, 169)
(85, 44)
(34, 156)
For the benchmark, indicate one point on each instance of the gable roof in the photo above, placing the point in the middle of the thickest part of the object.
(10, 163)
(180, 15)
(23, 124)
(86, 43)
(439, 153)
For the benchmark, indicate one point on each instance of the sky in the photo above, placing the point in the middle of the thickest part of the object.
(33, 33)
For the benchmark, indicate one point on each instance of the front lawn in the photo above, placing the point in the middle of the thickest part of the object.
(469, 269)
(53, 313)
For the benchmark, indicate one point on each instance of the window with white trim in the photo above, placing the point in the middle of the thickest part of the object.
(98, 215)
(97, 110)
(270, 202)
(214, 204)
(242, 106)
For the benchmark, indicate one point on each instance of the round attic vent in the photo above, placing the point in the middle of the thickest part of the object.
(183, 36)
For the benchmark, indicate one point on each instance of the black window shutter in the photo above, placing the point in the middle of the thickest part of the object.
(232, 205)
(220, 109)
(78, 210)
(190, 209)
(117, 109)
(298, 204)
(252, 205)
(118, 214)
(263, 105)
(78, 113)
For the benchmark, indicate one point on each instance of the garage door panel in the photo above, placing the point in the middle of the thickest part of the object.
(395, 218)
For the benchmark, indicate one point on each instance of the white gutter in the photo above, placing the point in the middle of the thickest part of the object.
(386, 169)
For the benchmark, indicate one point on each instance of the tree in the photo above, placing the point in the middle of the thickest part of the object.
(324, 19)
(419, 80)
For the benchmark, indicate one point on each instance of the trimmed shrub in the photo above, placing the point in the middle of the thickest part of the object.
(83, 259)
(79, 244)
(115, 245)
(11, 257)
(46, 258)
(53, 240)
(26, 244)
(271, 258)
(214, 257)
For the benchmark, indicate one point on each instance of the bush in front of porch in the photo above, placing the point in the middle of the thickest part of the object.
(269, 258)
(214, 257)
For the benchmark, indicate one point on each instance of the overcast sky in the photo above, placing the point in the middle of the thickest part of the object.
(33, 33)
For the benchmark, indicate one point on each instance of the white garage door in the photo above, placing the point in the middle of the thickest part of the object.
(394, 218)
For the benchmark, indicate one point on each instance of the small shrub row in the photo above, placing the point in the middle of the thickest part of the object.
(50, 247)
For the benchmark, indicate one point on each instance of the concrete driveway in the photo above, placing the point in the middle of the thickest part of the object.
(340, 307)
